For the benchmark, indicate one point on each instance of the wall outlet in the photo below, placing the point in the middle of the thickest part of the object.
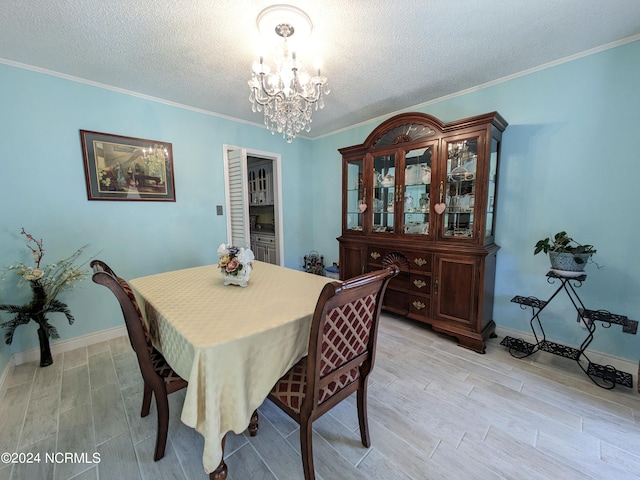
(584, 322)
(218, 209)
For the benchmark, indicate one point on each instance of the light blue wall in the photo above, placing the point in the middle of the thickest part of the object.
(568, 162)
(42, 188)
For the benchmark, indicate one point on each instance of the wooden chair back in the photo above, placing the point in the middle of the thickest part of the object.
(136, 327)
(343, 336)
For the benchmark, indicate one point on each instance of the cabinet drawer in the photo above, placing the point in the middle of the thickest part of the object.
(265, 238)
(400, 282)
(419, 305)
(419, 261)
(420, 283)
(395, 301)
(376, 254)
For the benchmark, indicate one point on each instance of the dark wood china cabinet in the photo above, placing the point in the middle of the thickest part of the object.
(427, 189)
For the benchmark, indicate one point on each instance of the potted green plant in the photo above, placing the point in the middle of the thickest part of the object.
(565, 254)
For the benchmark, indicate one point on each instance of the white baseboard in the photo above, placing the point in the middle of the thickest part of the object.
(71, 344)
(622, 364)
(60, 347)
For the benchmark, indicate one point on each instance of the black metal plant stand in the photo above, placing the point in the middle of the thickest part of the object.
(605, 376)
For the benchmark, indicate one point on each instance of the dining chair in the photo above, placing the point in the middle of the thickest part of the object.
(340, 355)
(159, 379)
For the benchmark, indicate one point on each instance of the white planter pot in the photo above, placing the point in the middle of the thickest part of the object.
(567, 261)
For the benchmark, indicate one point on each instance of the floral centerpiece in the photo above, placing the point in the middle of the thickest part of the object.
(46, 284)
(235, 264)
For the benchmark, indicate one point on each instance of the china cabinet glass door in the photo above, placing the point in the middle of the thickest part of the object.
(416, 191)
(491, 188)
(356, 195)
(384, 193)
(459, 188)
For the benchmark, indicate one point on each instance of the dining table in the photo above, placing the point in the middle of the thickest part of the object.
(231, 343)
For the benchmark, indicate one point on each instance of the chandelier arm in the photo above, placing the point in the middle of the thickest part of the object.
(260, 100)
(297, 89)
(279, 94)
(268, 97)
(262, 95)
(316, 95)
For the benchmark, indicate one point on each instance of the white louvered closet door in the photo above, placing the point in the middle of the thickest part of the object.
(237, 198)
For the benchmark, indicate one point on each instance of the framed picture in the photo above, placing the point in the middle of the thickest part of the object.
(127, 168)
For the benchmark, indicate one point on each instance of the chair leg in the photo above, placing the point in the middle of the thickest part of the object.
(306, 449)
(146, 400)
(363, 419)
(253, 424)
(162, 405)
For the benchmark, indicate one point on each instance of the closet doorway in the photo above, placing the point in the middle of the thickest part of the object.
(253, 191)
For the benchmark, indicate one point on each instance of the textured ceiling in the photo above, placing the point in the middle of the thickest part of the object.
(380, 56)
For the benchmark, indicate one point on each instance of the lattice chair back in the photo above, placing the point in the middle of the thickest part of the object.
(344, 332)
(341, 354)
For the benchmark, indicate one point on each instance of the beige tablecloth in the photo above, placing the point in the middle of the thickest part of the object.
(231, 343)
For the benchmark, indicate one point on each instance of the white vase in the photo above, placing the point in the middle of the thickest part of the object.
(241, 279)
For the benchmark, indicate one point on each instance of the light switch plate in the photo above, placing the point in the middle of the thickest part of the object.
(219, 209)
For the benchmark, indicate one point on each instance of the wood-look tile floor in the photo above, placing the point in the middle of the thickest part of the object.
(436, 411)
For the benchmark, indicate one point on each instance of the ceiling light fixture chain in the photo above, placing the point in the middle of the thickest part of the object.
(289, 95)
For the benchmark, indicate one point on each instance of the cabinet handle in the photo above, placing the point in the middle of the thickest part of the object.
(375, 255)
(418, 305)
(420, 283)
(435, 287)
(419, 261)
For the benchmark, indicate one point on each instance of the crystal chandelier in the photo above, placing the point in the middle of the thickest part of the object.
(289, 95)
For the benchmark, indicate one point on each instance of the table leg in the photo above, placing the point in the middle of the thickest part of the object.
(220, 473)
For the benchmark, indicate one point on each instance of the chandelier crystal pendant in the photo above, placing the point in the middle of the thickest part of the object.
(289, 95)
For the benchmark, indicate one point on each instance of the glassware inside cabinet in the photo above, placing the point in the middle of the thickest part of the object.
(384, 193)
(462, 157)
(417, 191)
(356, 205)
